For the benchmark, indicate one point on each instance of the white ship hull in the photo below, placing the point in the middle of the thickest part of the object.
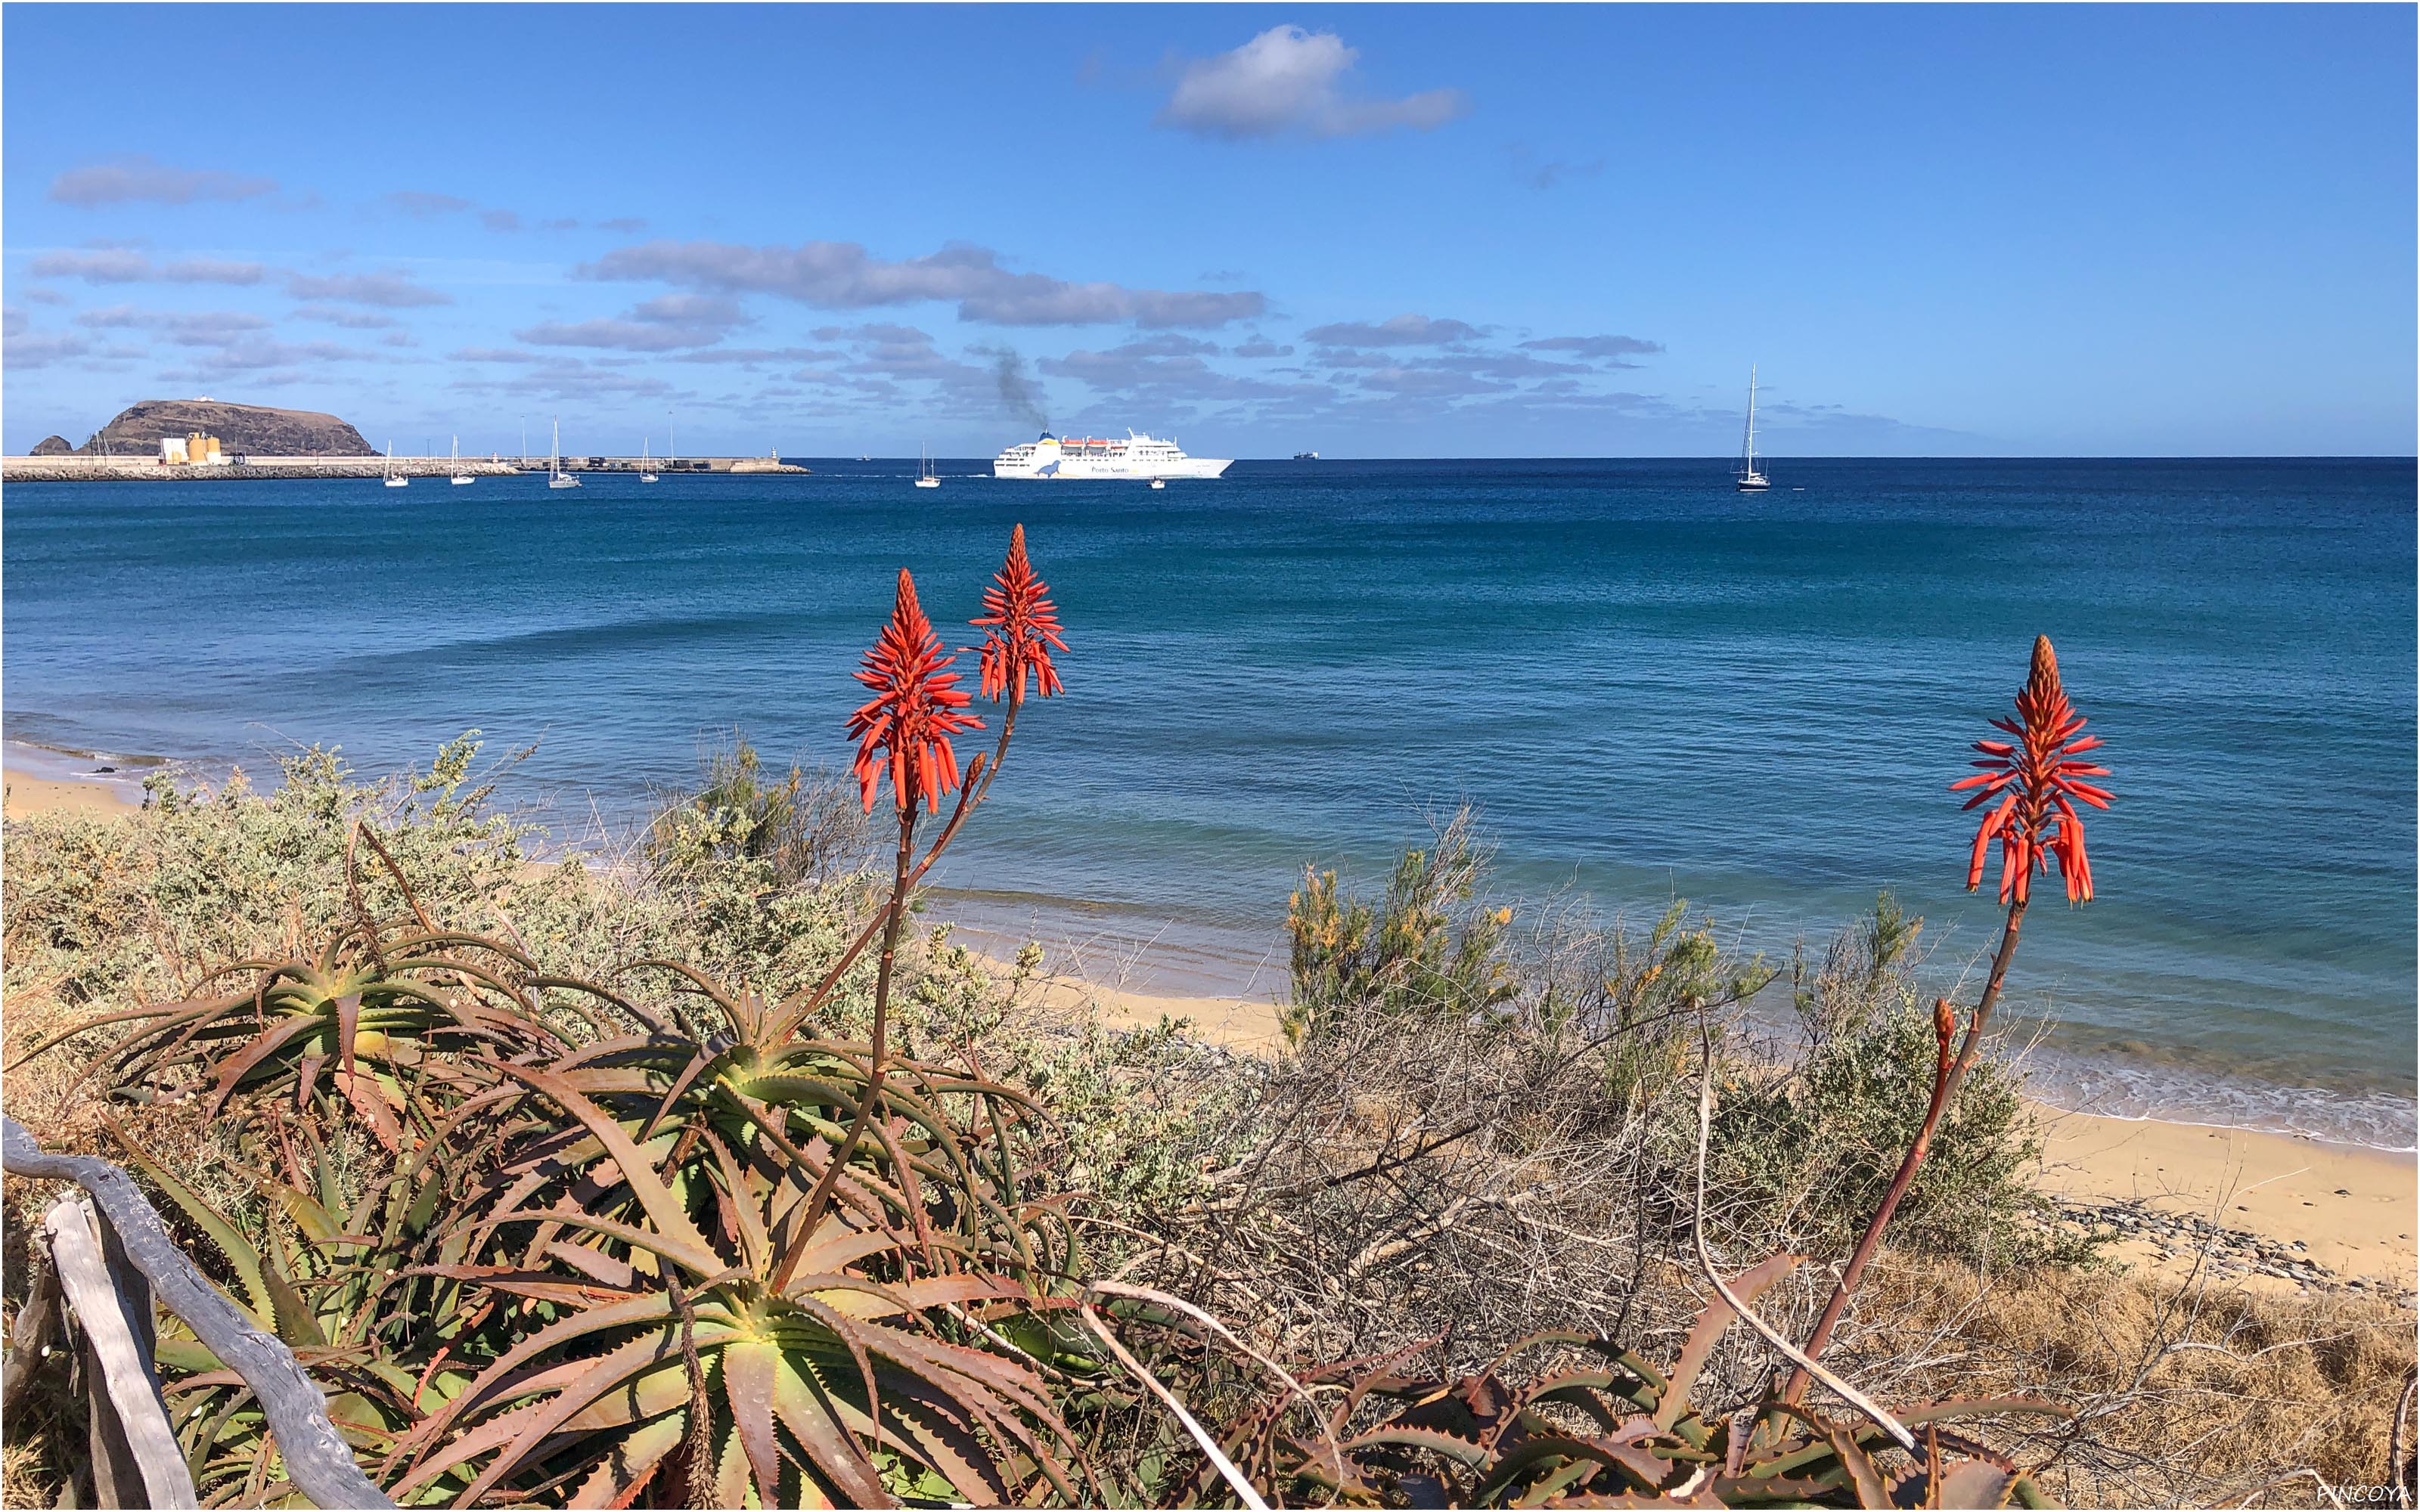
(1192, 467)
(1135, 458)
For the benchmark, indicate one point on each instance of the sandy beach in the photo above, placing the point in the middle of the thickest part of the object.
(30, 795)
(2351, 1210)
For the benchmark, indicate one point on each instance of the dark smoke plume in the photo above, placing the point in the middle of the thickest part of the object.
(1018, 390)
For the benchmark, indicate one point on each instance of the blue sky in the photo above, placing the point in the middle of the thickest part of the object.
(1370, 230)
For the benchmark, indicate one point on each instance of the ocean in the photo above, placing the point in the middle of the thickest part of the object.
(1651, 686)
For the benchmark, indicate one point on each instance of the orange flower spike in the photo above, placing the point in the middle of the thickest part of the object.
(906, 727)
(2038, 780)
(1020, 626)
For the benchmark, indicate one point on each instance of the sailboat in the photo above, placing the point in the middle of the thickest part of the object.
(394, 479)
(925, 476)
(646, 473)
(460, 477)
(555, 476)
(1750, 480)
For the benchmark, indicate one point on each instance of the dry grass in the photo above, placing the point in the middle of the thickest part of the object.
(2189, 1392)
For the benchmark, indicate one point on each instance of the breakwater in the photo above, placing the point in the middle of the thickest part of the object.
(150, 469)
(103, 470)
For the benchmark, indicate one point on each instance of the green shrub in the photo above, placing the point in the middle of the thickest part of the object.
(1820, 1136)
(1424, 950)
(806, 830)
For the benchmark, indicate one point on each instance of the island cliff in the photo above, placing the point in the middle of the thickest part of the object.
(241, 428)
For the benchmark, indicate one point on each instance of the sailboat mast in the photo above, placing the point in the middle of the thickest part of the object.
(1751, 417)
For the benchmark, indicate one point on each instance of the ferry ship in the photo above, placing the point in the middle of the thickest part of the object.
(1135, 457)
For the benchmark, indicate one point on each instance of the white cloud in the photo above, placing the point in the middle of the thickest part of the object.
(843, 275)
(1402, 330)
(212, 270)
(186, 328)
(1287, 80)
(351, 319)
(1610, 350)
(423, 205)
(665, 323)
(558, 377)
(106, 265)
(392, 291)
(42, 350)
(143, 178)
(426, 205)
(101, 263)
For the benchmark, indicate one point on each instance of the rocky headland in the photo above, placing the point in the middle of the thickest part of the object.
(242, 430)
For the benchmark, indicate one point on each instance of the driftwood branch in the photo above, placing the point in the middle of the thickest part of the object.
(133, 1450)
(316, 1458)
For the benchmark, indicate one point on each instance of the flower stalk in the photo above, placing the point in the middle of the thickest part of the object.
(2038, 778)
(904, 734)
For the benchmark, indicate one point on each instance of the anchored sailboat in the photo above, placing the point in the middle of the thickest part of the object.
(394, 479)
(925, 476)
(646, 473)
(460, 477)
(556, 477)
(1750, 480)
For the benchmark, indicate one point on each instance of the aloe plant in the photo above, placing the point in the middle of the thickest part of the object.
(704, 1327)
(347, 1291)
(372, 1023)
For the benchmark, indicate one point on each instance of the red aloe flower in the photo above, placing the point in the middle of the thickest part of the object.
(913, 711)
(2036, 781)
(1021, 626)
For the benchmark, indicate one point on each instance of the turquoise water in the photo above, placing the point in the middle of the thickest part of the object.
(1650, 686)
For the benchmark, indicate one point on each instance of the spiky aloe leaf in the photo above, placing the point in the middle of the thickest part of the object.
(241, 1254)
(1709, 1329)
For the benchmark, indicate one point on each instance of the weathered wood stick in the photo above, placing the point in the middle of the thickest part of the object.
(316, 1458)
(133, 1391)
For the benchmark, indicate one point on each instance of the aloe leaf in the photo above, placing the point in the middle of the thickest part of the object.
(749, 1375)
(812, 1416)
(636, 1169)
(1708, 1330)
(238, 1252)
(318, 1224)
(631, 1462)
(241, 1064)
(1460, 1450)
(653, 1307)
(532, 1425)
